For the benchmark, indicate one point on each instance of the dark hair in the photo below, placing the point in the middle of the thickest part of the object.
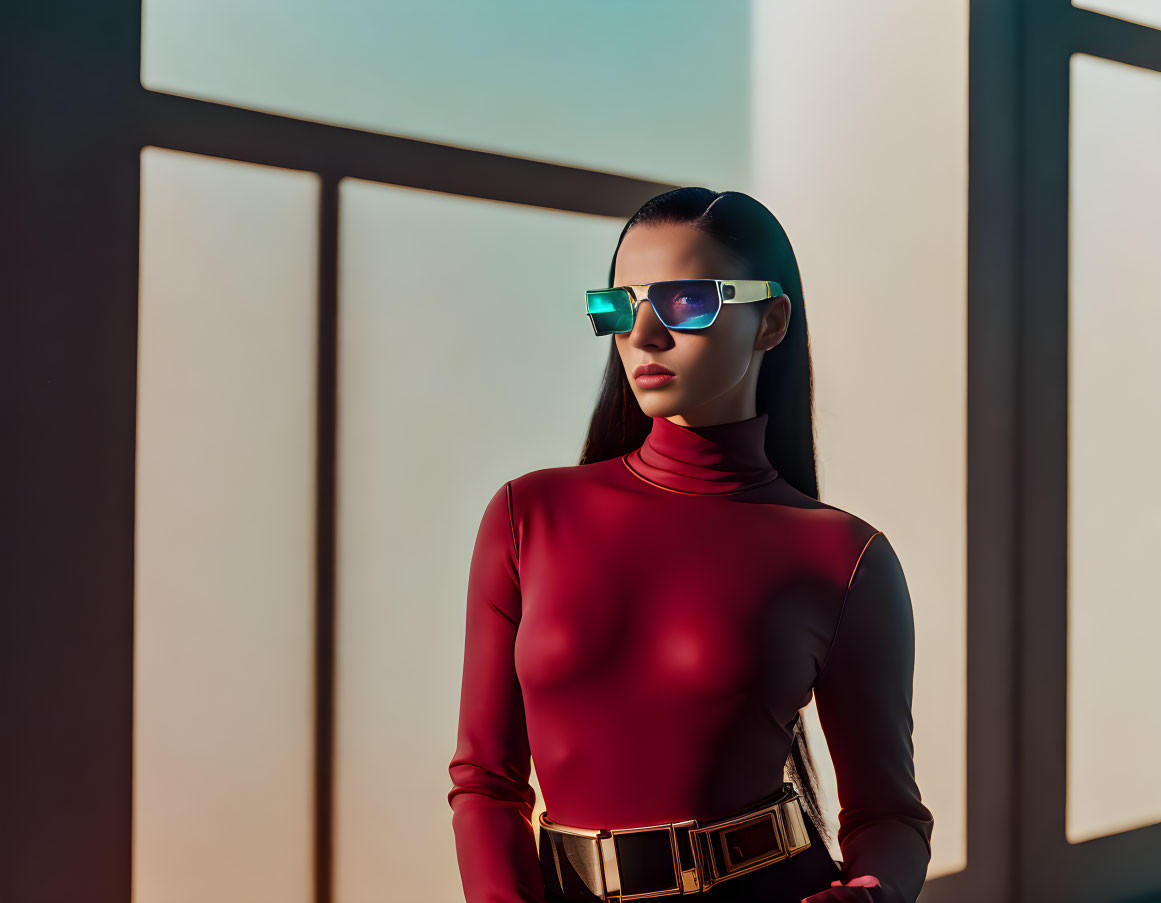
(785, 390)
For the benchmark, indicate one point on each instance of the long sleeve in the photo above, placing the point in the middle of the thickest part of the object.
(491, 798)
(863, 695)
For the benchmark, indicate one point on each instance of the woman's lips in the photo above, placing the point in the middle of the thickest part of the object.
(652, 375)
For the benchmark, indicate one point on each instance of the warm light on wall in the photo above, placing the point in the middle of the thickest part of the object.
(1114, 443)
(223, 757)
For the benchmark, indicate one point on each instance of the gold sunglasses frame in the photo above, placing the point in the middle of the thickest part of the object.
(741, 291)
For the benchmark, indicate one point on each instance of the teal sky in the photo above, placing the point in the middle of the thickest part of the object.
(651, 88)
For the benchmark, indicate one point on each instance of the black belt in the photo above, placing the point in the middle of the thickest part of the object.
(614, 864)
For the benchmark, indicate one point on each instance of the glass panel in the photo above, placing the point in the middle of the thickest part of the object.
(1143, 12)
(653, 88)
(1114, 443)
(455, 315)
(223, 758)
(873, 194)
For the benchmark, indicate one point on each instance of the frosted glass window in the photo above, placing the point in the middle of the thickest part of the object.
(223, 759)
(466, 359)
(654, 88)
(1114, 443)
(865, 164)
(1143, 12)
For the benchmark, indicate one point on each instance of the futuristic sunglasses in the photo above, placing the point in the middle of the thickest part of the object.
(684, 304)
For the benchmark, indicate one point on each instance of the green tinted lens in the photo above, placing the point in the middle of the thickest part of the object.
(610, 310)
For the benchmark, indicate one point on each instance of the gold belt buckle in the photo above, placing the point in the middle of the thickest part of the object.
(718, 849)
(685, 881)
(606, 881)
(725, 841)
(690, 880)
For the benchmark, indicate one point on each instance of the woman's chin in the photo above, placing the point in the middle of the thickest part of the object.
(654, 405)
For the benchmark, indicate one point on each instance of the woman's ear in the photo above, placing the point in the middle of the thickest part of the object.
(774, 324)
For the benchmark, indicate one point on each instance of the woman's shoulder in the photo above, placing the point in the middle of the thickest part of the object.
(545, 481)
(838, 534)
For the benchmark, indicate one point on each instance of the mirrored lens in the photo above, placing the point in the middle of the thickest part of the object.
(688, 304)
(610, 310)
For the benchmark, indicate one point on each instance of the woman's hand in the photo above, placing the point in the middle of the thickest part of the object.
(854, 891)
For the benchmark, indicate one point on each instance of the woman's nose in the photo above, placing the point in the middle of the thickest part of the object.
(646, 324)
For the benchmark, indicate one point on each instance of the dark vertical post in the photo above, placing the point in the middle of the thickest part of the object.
(995, 109)
(68, 368)
(325, 587)
(1042, 489)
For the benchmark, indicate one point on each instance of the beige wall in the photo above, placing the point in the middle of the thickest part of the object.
(860, 148)
(1114, 443)
(465, 359)
(223, 742)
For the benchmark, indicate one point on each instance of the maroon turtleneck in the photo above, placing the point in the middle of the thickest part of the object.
(725, 457)
(647, 628)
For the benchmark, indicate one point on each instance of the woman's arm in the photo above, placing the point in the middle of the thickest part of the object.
(863, 696)
(491, 798)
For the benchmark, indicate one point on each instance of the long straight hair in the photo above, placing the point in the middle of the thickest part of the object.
(785, 388)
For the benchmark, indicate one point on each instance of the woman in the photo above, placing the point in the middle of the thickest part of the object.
(648, 624)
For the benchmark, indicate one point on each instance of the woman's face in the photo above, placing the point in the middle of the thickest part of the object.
(716, 369)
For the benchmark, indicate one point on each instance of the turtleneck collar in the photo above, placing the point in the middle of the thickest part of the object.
(724, 457)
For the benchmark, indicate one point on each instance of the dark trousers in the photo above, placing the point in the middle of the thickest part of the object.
(787, 881)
